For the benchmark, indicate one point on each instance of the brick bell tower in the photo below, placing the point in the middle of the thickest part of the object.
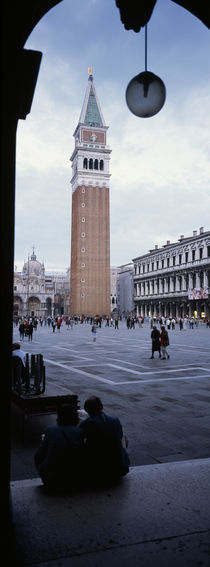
(90, 228)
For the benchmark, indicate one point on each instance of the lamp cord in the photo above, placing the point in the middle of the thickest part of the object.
(146, 47)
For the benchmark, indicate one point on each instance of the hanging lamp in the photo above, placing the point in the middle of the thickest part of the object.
(146, 93)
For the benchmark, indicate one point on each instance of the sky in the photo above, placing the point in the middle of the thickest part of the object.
(160, 166)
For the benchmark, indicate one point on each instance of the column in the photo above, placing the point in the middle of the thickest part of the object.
(205, 280)
(197, 280)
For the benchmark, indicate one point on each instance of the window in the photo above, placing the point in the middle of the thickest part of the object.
(85, 163)
(83, 234)
(193, 255)
(157, 265)
(90, 163)
(174, 260)
(83, 265)
(180, 258)
(82, 294)
(168, 262)
(101, 165)
(83, 205)
(208, 251)
(83, 190)
(82, 249)
(96, 164)
(186, 257)
(83, 219)
(82, 280)
(162, 263)
(201, 253)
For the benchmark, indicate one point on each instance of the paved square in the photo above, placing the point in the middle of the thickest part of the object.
(163, 404)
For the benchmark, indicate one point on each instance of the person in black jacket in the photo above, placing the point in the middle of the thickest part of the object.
(155, 336)
(59, 457)
(106, 460)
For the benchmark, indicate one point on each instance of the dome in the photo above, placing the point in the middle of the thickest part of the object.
(33, 266)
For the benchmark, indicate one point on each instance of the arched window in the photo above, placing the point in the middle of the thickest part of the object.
(85, 163)
(95, 164)
(101, 164)
(90, 163)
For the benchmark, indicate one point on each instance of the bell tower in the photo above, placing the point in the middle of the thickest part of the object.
(90, 227)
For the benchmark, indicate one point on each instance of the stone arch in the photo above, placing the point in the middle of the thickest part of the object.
(48, 306)
(34, 306)
(17, 306)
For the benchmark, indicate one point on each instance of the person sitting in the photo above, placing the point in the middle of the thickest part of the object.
(59, 457)
(18, 366)
(106, 460)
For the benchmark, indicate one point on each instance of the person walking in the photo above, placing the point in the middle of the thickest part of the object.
(22, 330)
(30, 331)
(94, 330)
(116, 323)
(164, 342)
(155, 336)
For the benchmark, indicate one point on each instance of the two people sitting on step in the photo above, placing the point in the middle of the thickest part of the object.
(76, 454)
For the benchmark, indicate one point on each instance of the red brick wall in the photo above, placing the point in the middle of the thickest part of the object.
(96, 257)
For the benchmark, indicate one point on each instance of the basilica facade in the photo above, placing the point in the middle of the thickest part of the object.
(40, 294)
(174, 280)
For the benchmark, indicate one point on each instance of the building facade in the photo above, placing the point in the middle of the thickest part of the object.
(40, 294)
(125, 289)
(90, 227)
(174, 280)
(113, 290)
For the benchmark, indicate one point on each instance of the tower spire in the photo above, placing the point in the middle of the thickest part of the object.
(91, 114)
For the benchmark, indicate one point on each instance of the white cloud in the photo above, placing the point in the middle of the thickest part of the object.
(159, 166)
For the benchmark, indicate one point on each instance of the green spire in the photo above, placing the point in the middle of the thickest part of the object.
(92, 116)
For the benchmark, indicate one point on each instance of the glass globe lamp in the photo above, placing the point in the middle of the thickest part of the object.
(145, 94)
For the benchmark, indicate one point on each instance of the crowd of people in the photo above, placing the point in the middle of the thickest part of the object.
(27, 325)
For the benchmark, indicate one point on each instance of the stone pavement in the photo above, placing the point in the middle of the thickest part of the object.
(163, 404)
(159, 516)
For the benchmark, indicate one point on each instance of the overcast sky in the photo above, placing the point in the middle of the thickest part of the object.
(160, 171)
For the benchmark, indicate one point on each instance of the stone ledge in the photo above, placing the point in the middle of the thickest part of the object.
(158, 515)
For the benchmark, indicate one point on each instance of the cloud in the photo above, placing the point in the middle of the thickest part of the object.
(159, 166)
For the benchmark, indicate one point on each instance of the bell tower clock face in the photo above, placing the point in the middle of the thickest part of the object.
(90, 136)
(93, 137)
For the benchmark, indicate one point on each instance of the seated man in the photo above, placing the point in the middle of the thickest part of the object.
(105, 458)
(59, 457)
(18, 366)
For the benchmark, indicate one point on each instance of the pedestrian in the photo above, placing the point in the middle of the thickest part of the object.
(94, 329)
(22, 330)
(155, 336)
(164, 342)
(59, 457)
(106, 460)
(30, 331)
(116, 323)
